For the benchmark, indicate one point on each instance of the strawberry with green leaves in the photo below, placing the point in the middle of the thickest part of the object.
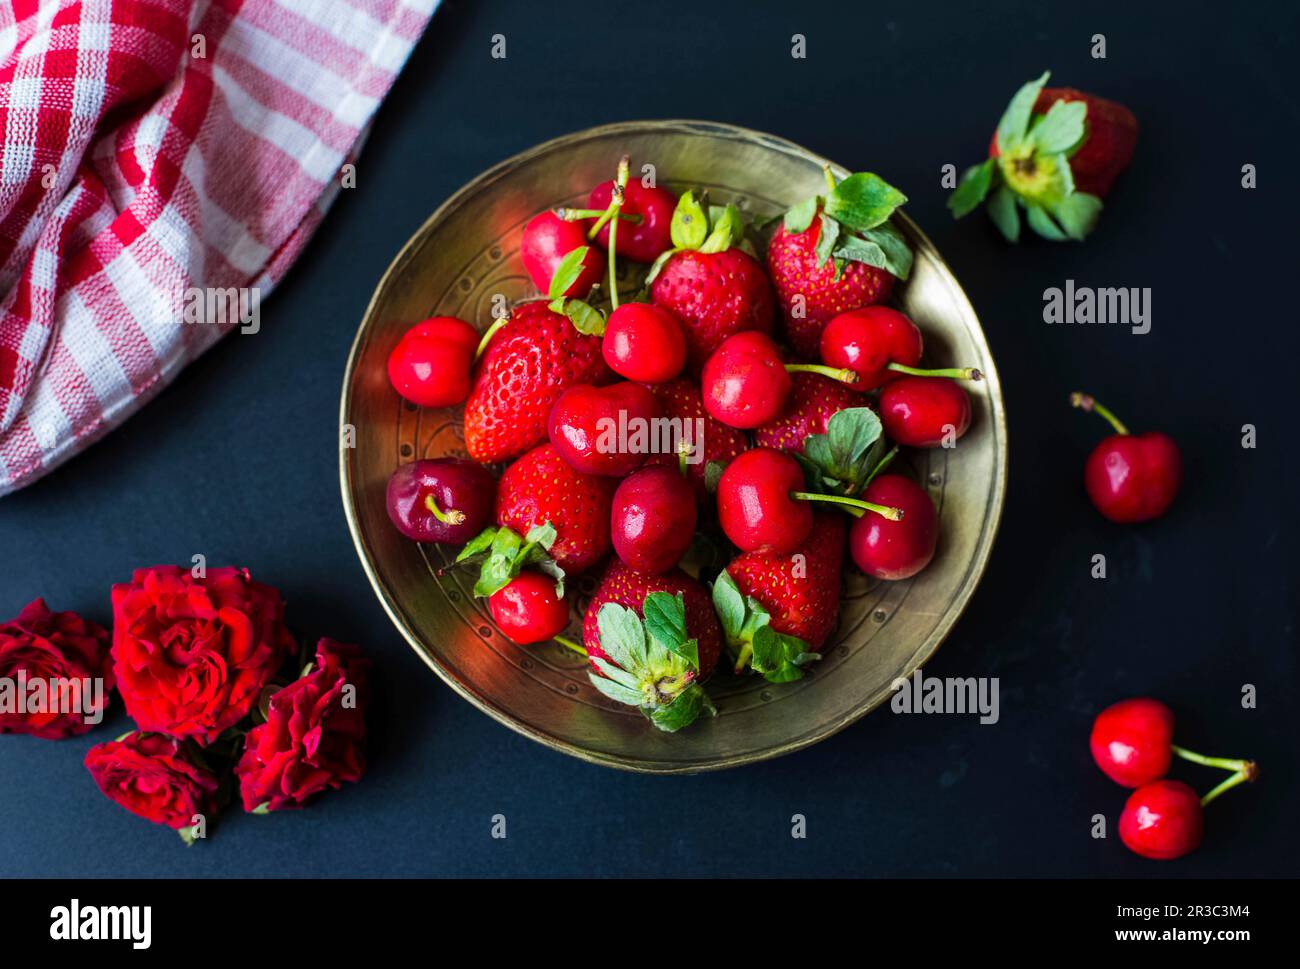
(652, 639)
(710, 279)
(532, 356)
(523, 584)
(541, 489)
(835, 253)
(778, 610)
(1055, 155)
(814, 399)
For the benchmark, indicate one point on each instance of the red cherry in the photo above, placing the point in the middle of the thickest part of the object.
(644, 342)
(1131, 477)
(1132, 741)
(867, 340)
(604, 430)
(527, 609)
(447, 500)
(642, 241)
(652, 521)
(1162, 820)
(744, 382)
(547, 240)
(755, 504)
(922, 411)
(430, 364)
(895, 549)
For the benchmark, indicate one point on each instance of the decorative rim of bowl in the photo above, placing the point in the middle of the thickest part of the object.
(974, 573)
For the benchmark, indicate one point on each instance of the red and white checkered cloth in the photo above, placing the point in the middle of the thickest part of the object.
(151, 149)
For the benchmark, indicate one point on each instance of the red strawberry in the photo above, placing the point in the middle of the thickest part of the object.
(681, 400)
(540, 487)
(629, 588)
(1056, 153)
(813, 400)
(1108, 147)
(532, 359)
(714, 294)
(801, 595)
(797, 271)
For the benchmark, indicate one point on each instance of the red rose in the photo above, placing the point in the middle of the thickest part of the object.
(192, 655)
(155, 777)
(313, 735)
(55, 678)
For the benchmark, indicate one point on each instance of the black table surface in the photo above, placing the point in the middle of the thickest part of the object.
(237, 460)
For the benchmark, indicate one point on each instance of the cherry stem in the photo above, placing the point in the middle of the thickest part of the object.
(830, 178)
(570, 644)
(1248, 773)
(452, 516)
(742, 660)
(885, 511)
(1223, 763)
(1088, 403)
(489, 334)
(620, 183)
(955, 373)
(843, 374)
(573, 215)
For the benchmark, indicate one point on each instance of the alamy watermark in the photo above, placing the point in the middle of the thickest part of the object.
(947, 694)
(23, 695)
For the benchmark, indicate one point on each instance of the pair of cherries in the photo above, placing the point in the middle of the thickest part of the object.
(449, 501)
(1132, 742)
(762, 506)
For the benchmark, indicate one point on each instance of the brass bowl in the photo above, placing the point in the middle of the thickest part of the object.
(467, 253)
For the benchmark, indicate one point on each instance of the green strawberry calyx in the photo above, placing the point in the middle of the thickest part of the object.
(586, 319)
(504, 553)
(751, 639)
(854, 216)
(698, 226)
(1031, 172)
(851, 452)
(651, 663)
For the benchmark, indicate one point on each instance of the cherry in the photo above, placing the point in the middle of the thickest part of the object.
(1130, 477)
(895, 549)
(644, 342)
(867, 341)
(645, 238)
(1132, 741)
(761, 504)
(527, 609)
(924, 411)
(1162, 820)
(430, 364)
(652, 521)
(604, 430)
(547, 240)
(447, 500)
(745, 383)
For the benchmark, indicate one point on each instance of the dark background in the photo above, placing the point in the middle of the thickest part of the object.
(238, 460)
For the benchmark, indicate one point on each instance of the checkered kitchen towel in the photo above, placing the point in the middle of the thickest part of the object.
(153, 149)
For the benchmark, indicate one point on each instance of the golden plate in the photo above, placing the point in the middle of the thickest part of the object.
(467, 253)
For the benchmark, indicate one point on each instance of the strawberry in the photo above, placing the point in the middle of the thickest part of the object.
(777, 610)
(651, 640)
(708, 280)
(836, 253)
(682, 402)
(1056, 153)
(629, 588)
(534, 356)
(813, 400)
(540, 488)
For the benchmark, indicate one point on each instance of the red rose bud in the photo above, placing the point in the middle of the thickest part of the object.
(1055, 155)
(191, 655)
(156, 777)
(55, 678)
(314, 734)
